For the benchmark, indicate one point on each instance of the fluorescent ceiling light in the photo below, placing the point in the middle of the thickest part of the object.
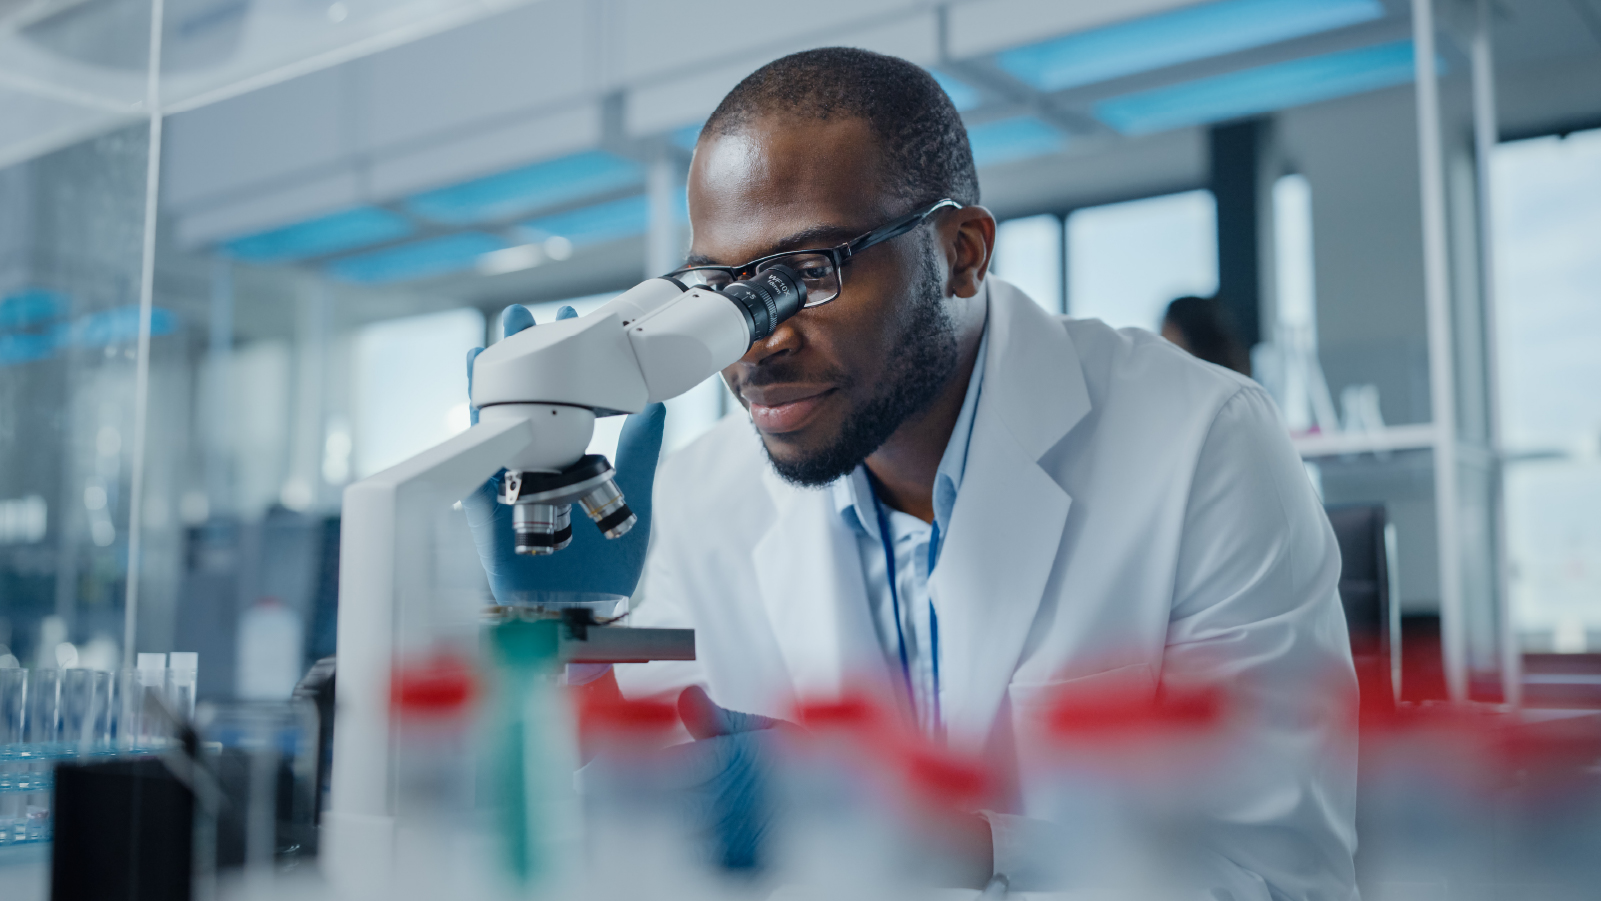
(1181, 36)
(524, 256)
(963, 95)
(512, 259)
(418, 259)
(523, 190)
(1009, 140)
(1260, 90)
(348, 230)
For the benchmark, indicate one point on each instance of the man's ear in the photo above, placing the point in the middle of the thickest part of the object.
(971, 247)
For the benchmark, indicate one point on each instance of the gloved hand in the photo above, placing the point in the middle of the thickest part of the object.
(592, 563)
(723, 777)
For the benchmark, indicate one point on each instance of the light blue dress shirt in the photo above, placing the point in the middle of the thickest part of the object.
(917, 549)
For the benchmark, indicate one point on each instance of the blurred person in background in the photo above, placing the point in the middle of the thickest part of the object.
(1203, 326)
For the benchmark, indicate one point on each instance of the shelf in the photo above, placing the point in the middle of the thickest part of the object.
(1391, 438)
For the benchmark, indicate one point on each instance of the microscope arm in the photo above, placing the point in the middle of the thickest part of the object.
(385, 587)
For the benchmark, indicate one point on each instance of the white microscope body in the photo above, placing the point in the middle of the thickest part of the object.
(538, 393)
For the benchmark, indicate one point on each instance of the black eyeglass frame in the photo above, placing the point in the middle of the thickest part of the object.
(840, 254)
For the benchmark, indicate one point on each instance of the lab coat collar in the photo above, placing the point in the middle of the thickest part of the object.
(1006, 528)
(1004, 537)
(810, 576)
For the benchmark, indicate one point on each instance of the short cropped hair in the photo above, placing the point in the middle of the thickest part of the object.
(920, 135)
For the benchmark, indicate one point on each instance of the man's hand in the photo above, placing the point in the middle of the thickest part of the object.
(724, 777)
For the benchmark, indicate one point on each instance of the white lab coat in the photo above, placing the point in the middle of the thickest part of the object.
(1127, 513)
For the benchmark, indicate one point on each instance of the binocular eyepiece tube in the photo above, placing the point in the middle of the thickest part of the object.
(767, 299)
(542, 504)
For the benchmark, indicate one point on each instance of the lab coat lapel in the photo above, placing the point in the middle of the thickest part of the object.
(1006, 528)
(810, 574)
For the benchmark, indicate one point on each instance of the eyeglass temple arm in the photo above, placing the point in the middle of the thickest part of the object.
(892, 230)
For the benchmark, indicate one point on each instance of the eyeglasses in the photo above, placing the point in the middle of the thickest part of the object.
(819, 269)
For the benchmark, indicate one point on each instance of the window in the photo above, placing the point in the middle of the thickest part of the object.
(1028, 253)
(410, 385)
(1546, 209)
(1127, 261)
(1287, 364)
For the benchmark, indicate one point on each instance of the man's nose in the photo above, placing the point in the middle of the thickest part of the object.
(785, 339)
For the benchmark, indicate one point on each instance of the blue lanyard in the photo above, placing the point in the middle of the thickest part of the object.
(895, 602)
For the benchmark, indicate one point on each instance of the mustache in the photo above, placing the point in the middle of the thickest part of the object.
(788, 372)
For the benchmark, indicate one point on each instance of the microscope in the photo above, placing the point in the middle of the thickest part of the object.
(538, 393)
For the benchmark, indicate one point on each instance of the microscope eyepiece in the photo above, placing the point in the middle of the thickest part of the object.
(768, 298)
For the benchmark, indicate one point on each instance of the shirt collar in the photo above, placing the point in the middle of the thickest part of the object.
(853, 494)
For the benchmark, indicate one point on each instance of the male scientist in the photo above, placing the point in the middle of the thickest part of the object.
(945, 494)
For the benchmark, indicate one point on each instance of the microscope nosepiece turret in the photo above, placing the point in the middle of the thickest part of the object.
(542, 504)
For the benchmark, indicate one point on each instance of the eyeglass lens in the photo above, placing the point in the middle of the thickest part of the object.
(817, 270)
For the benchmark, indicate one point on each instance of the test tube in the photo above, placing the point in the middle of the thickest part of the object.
(41, 745)
(84, 697)
(13, 700)
(42, 720)
(105, 710)
(140, 727)
(13, 704)
(152, 687)
(181, 669)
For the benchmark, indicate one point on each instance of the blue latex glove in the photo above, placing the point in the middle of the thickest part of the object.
(723, 777)
(592, 563)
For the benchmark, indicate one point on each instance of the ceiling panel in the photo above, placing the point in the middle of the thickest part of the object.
(288, 128)
(652, 38)
(987, 26)
(530, 58)
(660, 106)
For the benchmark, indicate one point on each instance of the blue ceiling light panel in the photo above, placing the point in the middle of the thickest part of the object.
(119, 325)
(963, 95)
(499, 197)
(348, 230)
(30, 307)
(686, 137)
(1261, 90)
(1181, 36)
(428, 258)
(1010, 140)
(25, 348)
(594, 224)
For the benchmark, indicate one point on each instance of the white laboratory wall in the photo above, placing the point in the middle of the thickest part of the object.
(1359, 158)
(1127, 261)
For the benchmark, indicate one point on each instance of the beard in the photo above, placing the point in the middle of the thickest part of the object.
(924, 357)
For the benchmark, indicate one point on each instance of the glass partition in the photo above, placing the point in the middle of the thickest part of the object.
(69, 345)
